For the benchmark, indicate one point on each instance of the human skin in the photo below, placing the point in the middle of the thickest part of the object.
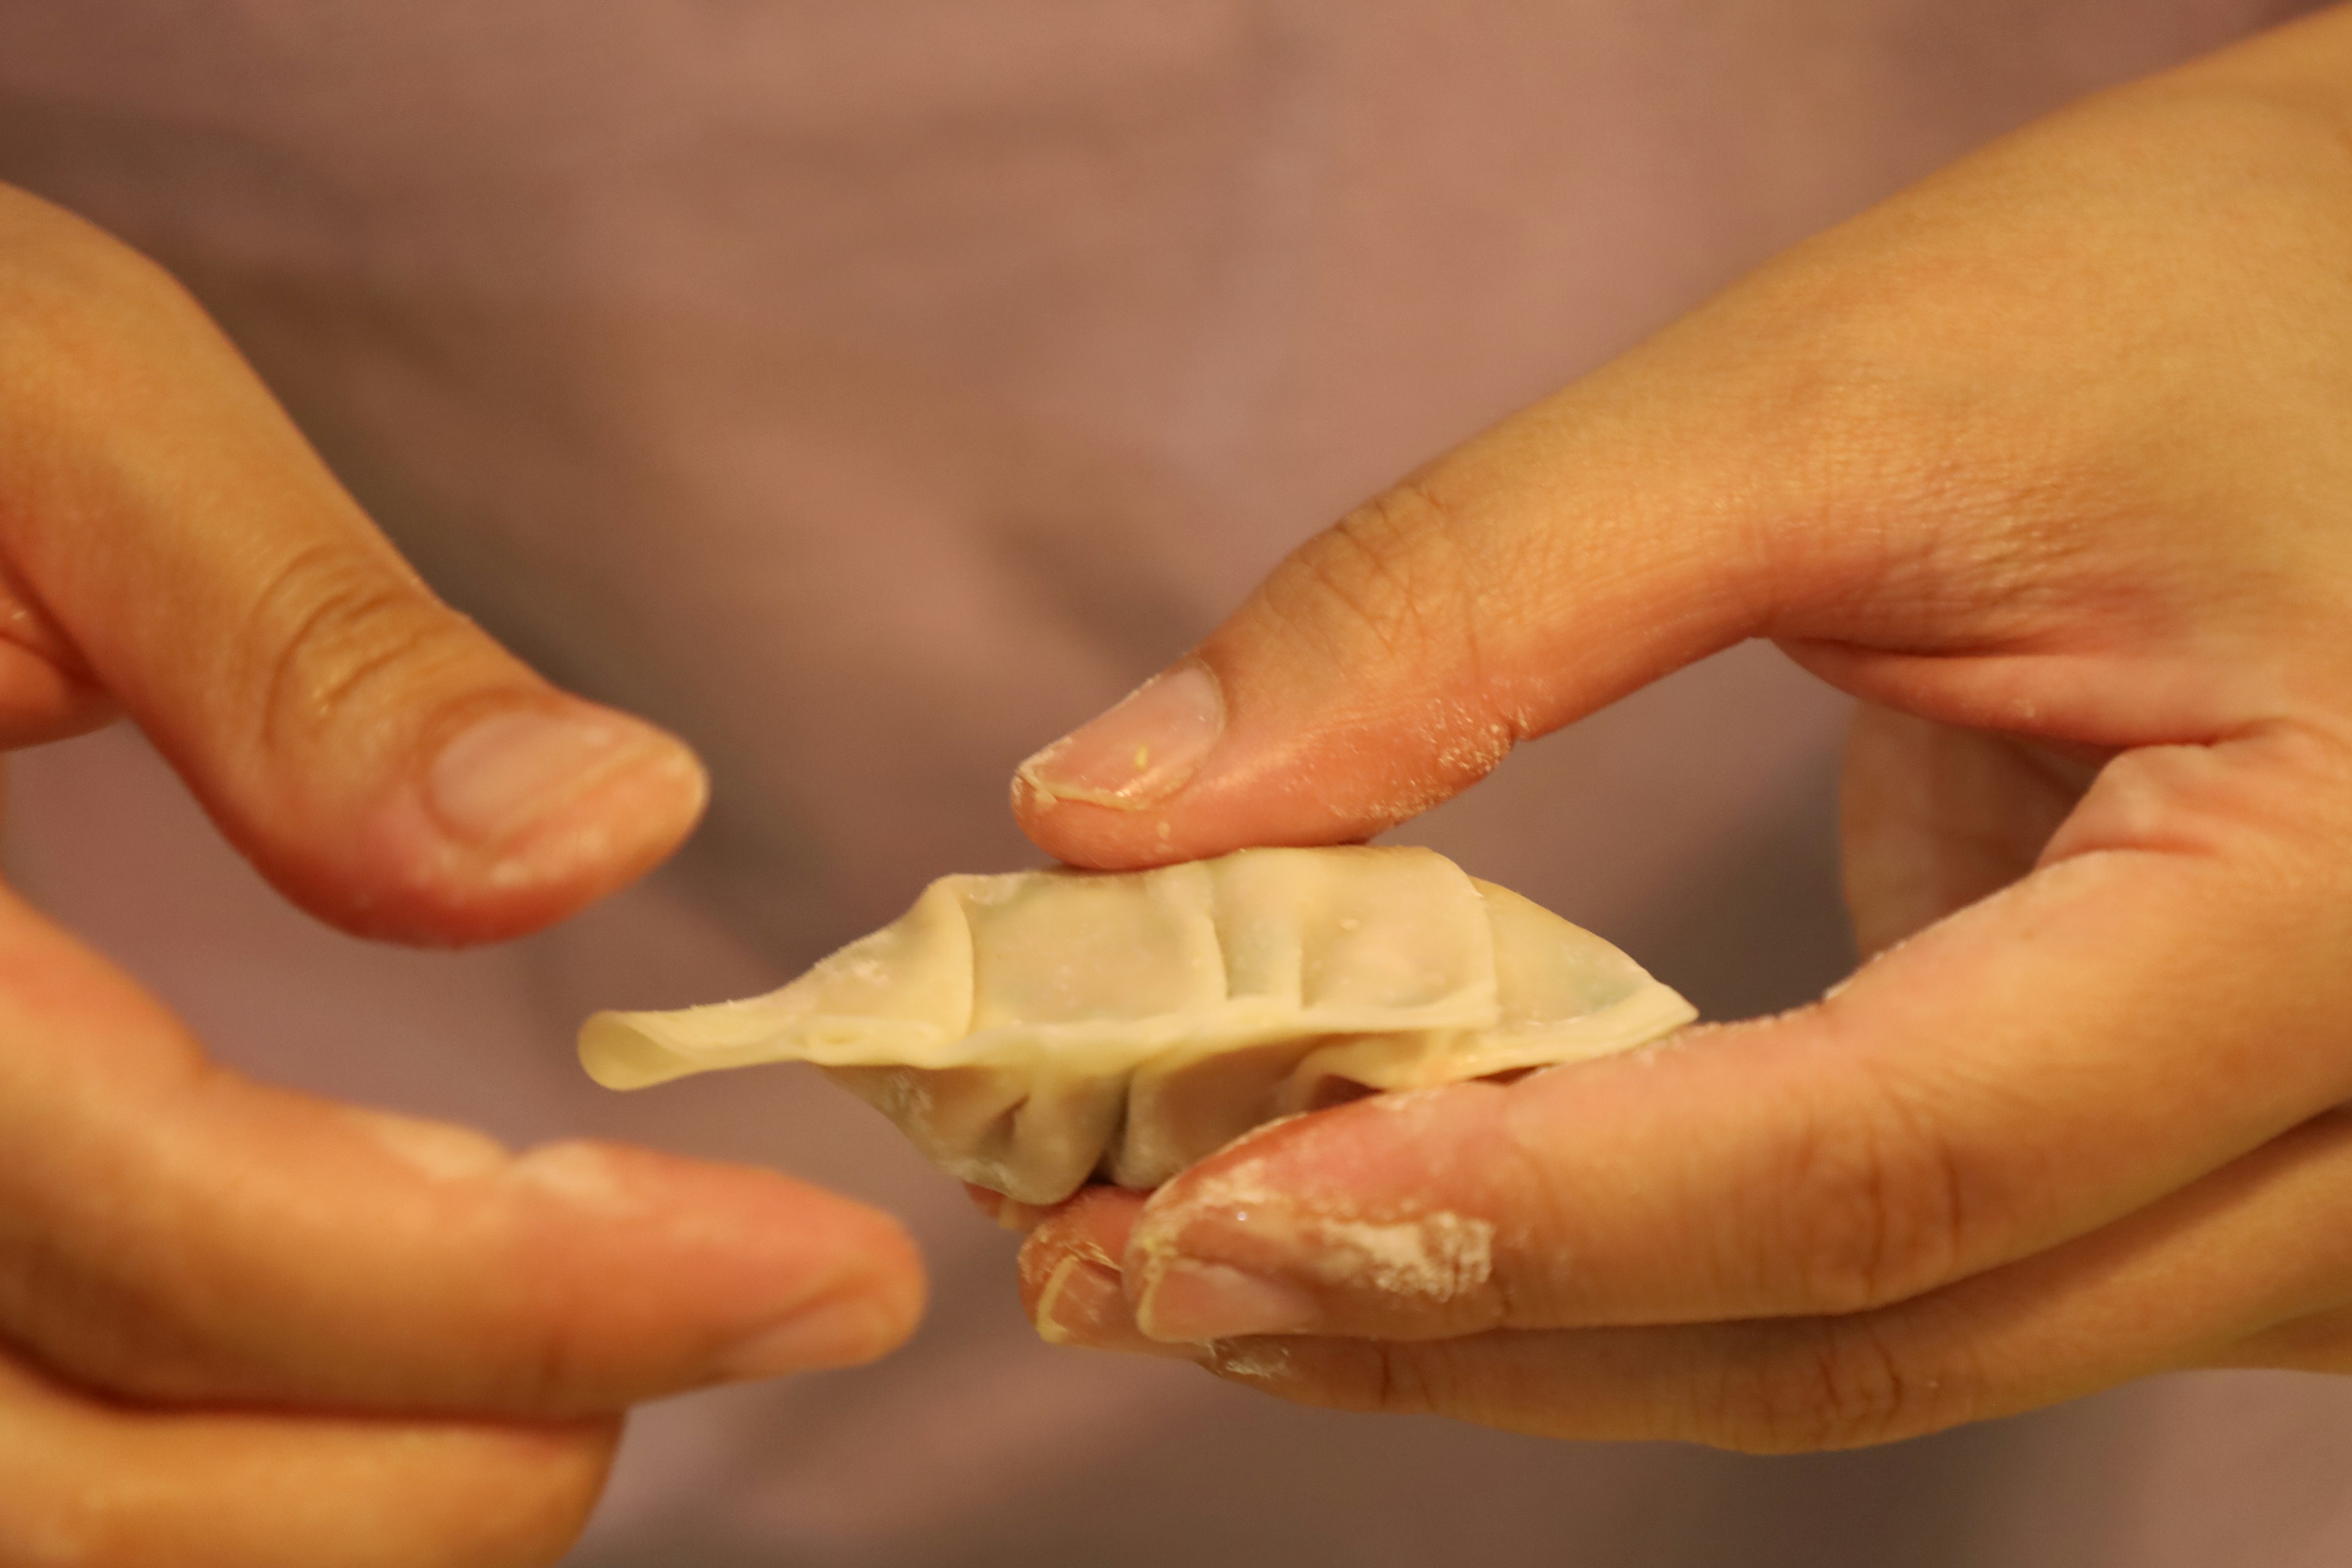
(2048, 462)
(243, 1327)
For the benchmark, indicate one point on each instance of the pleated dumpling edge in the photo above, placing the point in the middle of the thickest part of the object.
(1031, 1030)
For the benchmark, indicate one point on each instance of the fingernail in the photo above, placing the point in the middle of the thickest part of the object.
(841, 1331)
(514, 770)
(1082, 1304)
(1141, 751)
(1196, 1302)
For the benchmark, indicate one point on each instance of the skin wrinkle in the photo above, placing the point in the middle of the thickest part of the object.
(2141, 803)
(1380, 535)
(330, 696)
(316, 663)
(1535, 1210)
(1851, 1390)
(1950, 545)
(1395, 537)
(1317, 585)
(1403, 1389)
(1913, 1197)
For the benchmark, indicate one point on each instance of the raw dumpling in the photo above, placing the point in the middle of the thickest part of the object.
(1031, 1030)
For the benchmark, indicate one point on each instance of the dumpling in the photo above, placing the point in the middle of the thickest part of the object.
(1032, 1030)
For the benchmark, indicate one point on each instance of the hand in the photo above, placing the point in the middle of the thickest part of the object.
(240, 1326)
(2048, 462)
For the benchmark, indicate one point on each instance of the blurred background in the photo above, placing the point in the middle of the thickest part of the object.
(871, 392)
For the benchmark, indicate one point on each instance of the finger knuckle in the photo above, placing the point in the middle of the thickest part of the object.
(1403, 1384)
(1881, 1210)
(1385, 575)
(331, 626)
(548, 1370)
(1822, 1384)
(1905, 482)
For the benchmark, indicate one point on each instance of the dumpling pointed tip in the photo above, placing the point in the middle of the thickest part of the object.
(619, 1052)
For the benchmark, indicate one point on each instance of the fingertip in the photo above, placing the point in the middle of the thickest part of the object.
(898, 1286)
(859, 1291)
(1107, 796)
(1101, 838)
(1073, 1287)
(863, 1323)
(1295, 757)
(511, 784)
(519, 816)
(1093, 1226)
(851, 1279)
(1142, 750)
(1384, 1168)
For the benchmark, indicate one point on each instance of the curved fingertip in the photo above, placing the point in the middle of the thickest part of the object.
(1141, 751)
(1072, 1287)
(1392, 1200)
(523, 815)
(1110, 795)
(862, 1322)
(843, 1284)
(1253, 741)
(1092, 1226)
(1084, 1306)
(876, 1293)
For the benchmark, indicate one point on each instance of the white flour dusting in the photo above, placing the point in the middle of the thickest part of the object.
(1262, 1361)
(1435, 1255)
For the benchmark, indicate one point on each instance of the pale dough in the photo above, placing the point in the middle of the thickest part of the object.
(1032, 1030)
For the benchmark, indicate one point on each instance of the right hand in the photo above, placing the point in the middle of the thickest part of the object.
(240, 1326)
(2044, 458)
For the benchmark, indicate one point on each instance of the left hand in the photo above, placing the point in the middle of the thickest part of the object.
(2047, 461)
(243, 1326)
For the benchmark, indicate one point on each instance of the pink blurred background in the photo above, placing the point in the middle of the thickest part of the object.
(869, 392)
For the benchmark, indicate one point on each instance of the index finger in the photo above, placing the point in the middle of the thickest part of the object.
(1923, 448)
(170, 542)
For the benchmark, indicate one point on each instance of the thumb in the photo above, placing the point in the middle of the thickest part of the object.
(1928, 459)
(186, 555)
(1562, 560)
